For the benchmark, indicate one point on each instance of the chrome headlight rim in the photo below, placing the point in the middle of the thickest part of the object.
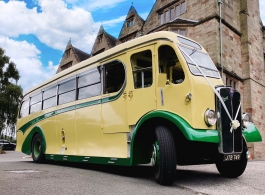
(210, 117)
(246, 120)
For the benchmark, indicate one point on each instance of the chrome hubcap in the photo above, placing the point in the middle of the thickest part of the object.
(153, 159)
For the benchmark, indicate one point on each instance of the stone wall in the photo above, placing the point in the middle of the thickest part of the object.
(68, 58)
(253, 70)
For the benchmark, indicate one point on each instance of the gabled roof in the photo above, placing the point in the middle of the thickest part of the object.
(108, 41)
(138, 23)
(78, 56)
(81, 54)
(176, 21)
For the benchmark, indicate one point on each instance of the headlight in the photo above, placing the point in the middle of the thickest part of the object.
(210, 117)
(246, 120)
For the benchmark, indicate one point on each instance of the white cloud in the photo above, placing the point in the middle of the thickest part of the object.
(92, 5)
(56, 23)
(26, 58)
(111, 23)
(53, 26)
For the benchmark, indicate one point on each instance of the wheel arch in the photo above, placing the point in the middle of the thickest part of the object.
(143, 134)
(26, 146)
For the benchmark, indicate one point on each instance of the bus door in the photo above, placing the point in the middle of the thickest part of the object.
(114, 119)
(65, 118)
(171, 90)
(88, 113)
(140, 92)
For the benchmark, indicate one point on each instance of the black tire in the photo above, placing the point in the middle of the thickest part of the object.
(36, 149)
(233, 169)
(164, 156)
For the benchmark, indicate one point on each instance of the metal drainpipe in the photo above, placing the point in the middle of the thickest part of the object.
(221, 39)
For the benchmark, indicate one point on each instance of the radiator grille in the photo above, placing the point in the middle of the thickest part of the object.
(230, 142)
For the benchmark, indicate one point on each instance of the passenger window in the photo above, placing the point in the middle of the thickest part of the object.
(24, 110)
(142, 69)
(169, 64)
(67, 91)
(89, 84)
(49, 97)
(114, 77)
(35, 103)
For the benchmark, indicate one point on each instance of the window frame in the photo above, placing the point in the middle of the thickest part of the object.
(83, 74)
(62, 82)
(103, 72)
(142, 70)
(24, 100)
(130, 22)
(177, 31)
(170, 13)
(35, 103)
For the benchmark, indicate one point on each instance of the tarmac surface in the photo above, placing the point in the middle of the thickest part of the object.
(19, 175)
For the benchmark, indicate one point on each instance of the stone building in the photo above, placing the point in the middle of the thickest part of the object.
(71, 56)
(230, 30)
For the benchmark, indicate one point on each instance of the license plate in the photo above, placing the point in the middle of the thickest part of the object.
(232, 157)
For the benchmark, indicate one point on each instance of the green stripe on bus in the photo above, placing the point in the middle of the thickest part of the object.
(191, 134)
(26, 146)
(24, 128)
(89, 159)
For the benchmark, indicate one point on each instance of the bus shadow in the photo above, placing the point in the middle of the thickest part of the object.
(145, 172)
(140, 171)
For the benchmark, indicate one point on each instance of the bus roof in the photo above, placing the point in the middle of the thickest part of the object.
(161, 35)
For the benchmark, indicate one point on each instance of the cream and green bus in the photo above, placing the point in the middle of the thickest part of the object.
(157, 99)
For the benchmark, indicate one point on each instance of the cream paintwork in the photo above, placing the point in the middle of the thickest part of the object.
(114, 117)
(175, 94)
(88, 129)
(143, 99)
(103, 133)
(115, 145)
(203, 98)
(66, 122)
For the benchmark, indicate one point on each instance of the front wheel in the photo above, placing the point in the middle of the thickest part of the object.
(233, 169)
(36, 149)
(164, 156)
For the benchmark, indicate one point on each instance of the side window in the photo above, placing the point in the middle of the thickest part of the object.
(89, 84)
(169, 64)
(49, 97)
(142, 69)
(67, 91)
(35, 103)
(114, 77)
(24, 110)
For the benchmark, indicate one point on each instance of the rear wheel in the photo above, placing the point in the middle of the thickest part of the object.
(233, 169)
(36, 149)
(164, 156)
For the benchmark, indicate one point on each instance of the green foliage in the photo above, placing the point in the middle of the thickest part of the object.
(10, 94)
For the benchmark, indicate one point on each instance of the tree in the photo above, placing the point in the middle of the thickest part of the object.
(10, 94)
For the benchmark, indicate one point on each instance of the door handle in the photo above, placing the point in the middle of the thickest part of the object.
(124, 95)
(130, 95)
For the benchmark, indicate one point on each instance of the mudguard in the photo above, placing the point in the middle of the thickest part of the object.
(252, 134)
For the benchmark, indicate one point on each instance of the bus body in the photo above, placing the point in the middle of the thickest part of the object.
(158, 98)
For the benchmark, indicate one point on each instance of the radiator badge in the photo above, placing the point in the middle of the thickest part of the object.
(225, 98)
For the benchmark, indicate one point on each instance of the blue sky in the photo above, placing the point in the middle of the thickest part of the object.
(34, 33)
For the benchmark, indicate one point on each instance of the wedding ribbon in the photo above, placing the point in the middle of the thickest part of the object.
(234, 123)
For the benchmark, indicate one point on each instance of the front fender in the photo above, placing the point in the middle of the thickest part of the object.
(26, 146)
(252, 134)
(201, 135)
